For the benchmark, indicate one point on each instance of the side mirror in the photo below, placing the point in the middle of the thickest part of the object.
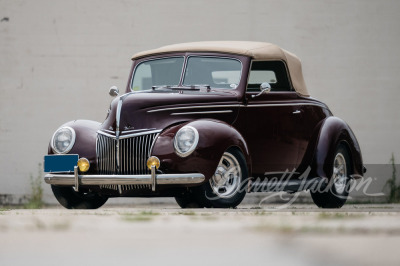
(265, 87)
(113, 91)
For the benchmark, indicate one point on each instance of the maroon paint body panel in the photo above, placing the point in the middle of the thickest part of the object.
(275, 131)
(159, 110)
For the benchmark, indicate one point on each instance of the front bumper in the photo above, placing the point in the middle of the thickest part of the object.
(153, 179)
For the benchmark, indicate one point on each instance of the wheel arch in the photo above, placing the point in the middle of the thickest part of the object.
(333, 132)
(85, 141)
(215, 137)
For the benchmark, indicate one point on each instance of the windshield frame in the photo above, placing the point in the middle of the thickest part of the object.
(186, 57)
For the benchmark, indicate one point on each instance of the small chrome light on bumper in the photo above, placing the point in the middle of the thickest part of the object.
(83, 165)
(153, 163)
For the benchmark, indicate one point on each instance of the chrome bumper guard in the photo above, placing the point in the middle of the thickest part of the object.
(153, 179)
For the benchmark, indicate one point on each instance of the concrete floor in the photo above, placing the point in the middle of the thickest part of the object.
(165, 234)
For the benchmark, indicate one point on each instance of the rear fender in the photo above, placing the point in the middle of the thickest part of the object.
(332, 132)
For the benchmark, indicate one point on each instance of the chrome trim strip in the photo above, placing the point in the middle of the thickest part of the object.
(117, 122)
(233, 105)
(193, 107)
(129, 135)
(163, 179)
(140, 134)
(118, 116)
(109, 131)
(152, 144)
(282, 104)
(117, 156)
(204, 112)
(137, 130)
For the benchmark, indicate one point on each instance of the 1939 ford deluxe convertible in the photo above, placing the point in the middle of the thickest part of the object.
(206, 123)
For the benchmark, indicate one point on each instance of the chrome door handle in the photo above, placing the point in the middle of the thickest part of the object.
(296, 112)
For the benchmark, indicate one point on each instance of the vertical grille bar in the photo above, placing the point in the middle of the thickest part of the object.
(140, 154)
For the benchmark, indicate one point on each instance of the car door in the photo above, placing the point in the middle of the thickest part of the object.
(271, 119)
(309, 114)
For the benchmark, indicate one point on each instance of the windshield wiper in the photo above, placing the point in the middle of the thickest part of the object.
(162, 87)
(192, 87)
(184, 87)
(198, 86)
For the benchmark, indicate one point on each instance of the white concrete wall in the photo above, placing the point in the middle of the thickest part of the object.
(58, 59)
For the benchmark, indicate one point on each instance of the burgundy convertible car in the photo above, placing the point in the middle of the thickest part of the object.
(206, 123)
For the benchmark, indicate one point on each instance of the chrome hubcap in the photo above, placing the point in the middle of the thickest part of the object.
(339, 173)
(227, 178)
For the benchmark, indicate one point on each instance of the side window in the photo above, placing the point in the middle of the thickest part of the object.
(273, 72)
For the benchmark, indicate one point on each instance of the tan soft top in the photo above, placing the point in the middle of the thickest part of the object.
(256, 50)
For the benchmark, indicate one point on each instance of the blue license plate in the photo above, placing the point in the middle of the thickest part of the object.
(60, 163)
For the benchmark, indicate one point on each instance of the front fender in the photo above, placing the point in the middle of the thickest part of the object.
(215, 137)
(334, 131)
(85, 141)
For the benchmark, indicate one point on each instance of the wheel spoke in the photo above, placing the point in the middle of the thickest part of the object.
(339, 173)
(227, 177)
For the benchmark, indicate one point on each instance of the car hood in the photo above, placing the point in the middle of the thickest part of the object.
(140, 111)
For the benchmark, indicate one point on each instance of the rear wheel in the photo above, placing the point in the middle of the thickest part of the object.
(337, 191)
(227, 187)
(71, 199)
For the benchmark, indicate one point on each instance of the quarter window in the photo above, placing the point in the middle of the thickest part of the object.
(273, 72)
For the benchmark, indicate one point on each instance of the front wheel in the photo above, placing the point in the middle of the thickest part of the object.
(188, 200)
(71, 199)
(337, 191)
(227, 187)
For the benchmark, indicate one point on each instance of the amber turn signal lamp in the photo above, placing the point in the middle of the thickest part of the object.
(83, 165)
(153, 161)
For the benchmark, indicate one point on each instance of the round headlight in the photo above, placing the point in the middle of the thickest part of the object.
(186, 140)
(63, 140)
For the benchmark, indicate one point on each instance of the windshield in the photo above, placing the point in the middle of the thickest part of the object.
(200, 70)
(213, 71)
(158, 72)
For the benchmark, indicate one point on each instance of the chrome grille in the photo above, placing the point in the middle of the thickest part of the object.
(126, 156)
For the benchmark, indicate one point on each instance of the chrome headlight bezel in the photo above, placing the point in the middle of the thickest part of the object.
(195, 140)
(71, 144)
